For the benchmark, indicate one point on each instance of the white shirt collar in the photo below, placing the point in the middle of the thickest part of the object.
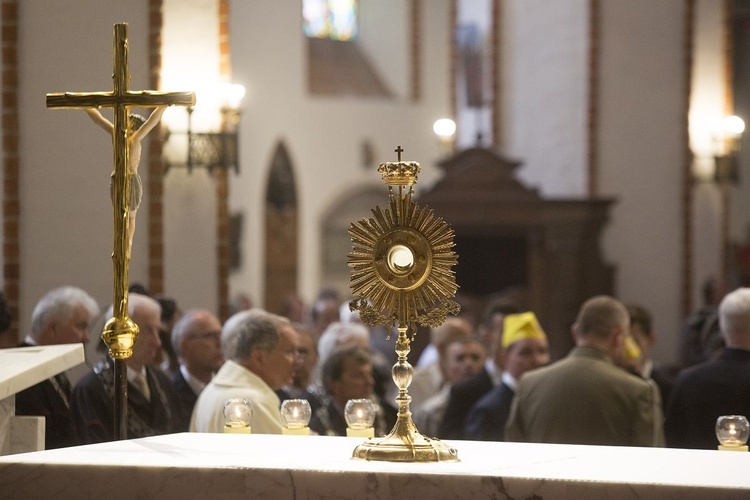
(195, 384)
(493, 371)
(648, 369)
(510, 381)
(132, 374)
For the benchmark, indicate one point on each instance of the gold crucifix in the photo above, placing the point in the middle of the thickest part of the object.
(120, 332)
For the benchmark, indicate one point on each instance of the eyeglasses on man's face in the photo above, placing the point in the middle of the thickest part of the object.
(212, 335)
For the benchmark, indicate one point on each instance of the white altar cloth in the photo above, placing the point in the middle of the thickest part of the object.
(233, 466)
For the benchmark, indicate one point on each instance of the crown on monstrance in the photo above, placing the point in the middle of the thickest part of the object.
(399, 173)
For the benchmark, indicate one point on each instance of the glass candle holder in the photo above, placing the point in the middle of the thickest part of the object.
(238, 413)
(732, 432)
(360, 416)
(296, 415)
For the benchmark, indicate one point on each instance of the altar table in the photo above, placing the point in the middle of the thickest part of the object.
(232, 466)
(21, 368)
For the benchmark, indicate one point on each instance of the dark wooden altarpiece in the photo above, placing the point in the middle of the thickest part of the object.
(510, 238)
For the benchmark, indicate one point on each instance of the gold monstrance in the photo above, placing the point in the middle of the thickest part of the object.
(401, 275)
(120, 332)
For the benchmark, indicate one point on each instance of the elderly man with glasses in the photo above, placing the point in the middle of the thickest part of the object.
(196, 339)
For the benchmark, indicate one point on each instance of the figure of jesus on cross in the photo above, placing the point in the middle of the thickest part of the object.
(139, 129)
(120, 332)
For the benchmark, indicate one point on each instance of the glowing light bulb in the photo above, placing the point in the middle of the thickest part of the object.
(232, 94)
(444, 128)
(733, 125)
(296, 415)
(732, 432)
(360, 416)
(238, 413)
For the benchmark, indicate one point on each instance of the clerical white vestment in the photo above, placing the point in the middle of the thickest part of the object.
(235, 381)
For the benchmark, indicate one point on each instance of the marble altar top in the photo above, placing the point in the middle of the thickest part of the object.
(22, 367)
(194, 465)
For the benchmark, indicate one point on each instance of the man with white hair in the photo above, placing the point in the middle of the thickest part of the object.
(153, 405)
(260, 349)
(62, 316)
(717, 387)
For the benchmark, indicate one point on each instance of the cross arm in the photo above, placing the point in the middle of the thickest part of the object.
(142, 99)
(154, 99)
(69, 100)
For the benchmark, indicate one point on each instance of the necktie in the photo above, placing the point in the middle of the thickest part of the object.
(62, 379)
(61, 385)
(142, 384)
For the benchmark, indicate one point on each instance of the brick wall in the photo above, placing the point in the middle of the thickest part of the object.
(11, 205)
(156, 165)
(221, 177)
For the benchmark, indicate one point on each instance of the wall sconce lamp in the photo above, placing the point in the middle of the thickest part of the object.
(211, 150)
(728, 145)
(445, 129)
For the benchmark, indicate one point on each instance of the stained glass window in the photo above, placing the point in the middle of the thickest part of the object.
(334, 19)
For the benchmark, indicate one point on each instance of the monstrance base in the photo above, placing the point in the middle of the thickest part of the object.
(405, 444)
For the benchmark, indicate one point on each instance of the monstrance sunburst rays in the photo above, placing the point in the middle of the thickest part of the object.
(401, 262)
(401, 275)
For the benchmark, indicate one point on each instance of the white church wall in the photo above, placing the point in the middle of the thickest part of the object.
(323, 135)
(383, 46)
(706, 109)
(190, 44)
(642, 156)
(66, 214)
(544, 85)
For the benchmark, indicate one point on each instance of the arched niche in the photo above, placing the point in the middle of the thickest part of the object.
(281, 220)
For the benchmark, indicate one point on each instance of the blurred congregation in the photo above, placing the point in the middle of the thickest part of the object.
(486, 376)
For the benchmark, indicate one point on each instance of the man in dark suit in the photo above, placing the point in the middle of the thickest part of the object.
(62, 316)
(524, 348)
(717, 387)
(153, 405)
(586, 398)
(196, 339)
